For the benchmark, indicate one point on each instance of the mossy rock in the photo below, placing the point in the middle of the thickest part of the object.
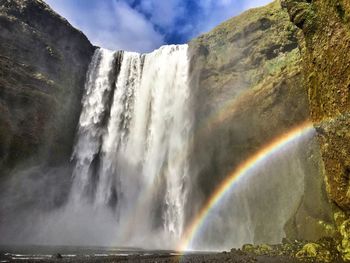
(344, 229)
(326, 66)
(262, 249)
(314, 251)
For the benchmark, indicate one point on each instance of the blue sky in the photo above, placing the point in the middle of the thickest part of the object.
(144, 25)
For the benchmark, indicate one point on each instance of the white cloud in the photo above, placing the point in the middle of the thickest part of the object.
(133, 31)
(163, 13)
(113, 25)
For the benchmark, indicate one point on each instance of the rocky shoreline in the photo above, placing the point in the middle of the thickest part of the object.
(326, 250)
(233, 256)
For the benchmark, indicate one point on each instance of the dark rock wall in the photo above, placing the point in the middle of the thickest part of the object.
(326, 63)
(247, 77)
(43, 62)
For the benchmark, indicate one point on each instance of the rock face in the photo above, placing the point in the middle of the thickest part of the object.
(249, 87)
(326, 64)
(43, 62)
(247, 73)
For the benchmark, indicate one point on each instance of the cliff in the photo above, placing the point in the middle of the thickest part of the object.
(248, 71)
(43, 62)
(325, 49)
(326, 62)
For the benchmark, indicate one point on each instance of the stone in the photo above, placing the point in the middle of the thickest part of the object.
(58, 256)
(316, 251)
(344, 246)
(43, 62)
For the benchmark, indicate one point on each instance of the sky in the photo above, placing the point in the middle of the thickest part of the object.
(144, 25)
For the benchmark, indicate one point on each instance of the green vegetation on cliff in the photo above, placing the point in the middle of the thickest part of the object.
(326, 61)
(325, 52)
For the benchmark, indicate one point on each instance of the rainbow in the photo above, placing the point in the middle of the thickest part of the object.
(243, 169)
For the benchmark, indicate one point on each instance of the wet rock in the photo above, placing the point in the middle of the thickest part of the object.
(325, 61)
(344, 246)
(316, 251)
(43, 62)
(324, 250)
(58, 256)
(262, 249)
(249, 248)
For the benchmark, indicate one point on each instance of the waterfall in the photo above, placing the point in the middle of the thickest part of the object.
(98, 88)
(131, 153)
(133, 183)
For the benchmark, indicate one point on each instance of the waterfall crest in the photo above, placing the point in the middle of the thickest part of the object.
(132, 146)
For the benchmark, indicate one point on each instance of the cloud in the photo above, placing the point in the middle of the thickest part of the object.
(163, 13)
(143, 25)
(110, 24)
(133, 31)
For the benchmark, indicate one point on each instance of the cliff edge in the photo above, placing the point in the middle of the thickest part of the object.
(43, 62)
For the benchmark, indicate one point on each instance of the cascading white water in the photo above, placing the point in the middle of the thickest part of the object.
(98, 88)
(133, 140)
